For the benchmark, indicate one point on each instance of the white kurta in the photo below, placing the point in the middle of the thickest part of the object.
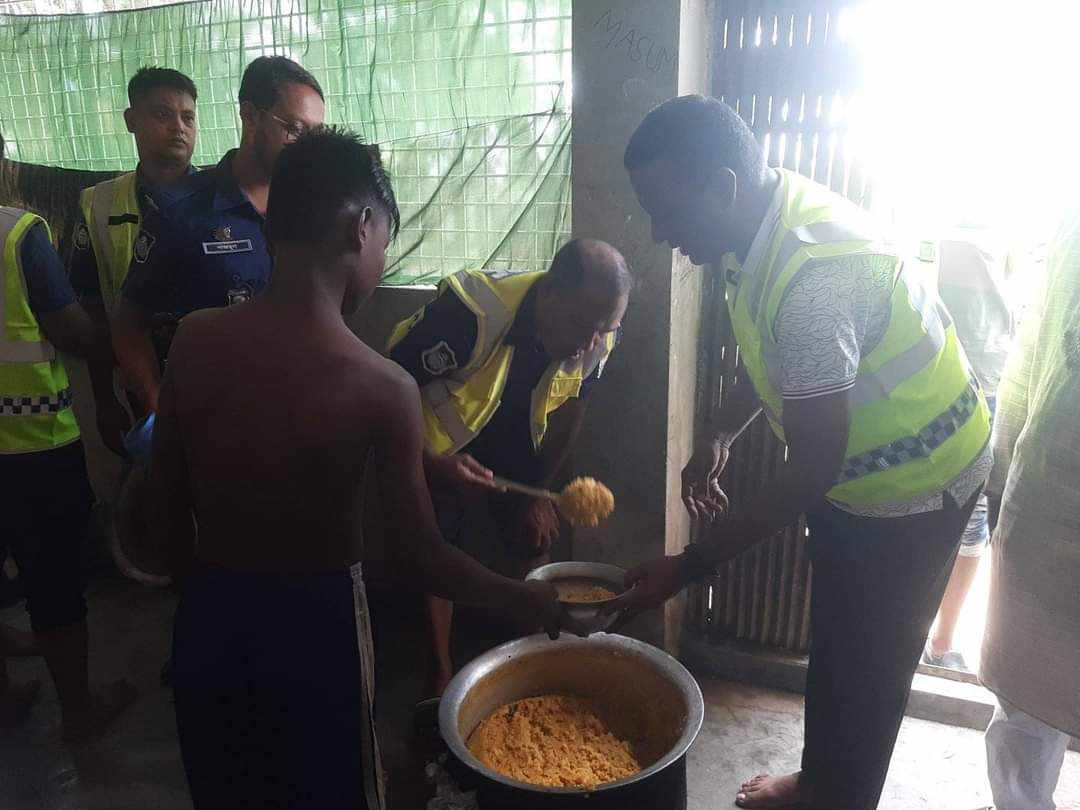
(1031, 650)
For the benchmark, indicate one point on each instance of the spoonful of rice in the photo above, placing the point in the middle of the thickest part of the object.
(583, 502)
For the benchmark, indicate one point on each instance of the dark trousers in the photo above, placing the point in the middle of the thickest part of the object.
(45, 503)
(268, 684)
(876, 588)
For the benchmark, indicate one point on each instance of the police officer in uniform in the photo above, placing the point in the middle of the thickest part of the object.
(505, 364)
(161, 116)
(203, 246)
(45, 495)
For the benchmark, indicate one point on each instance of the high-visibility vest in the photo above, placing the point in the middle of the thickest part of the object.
(35, 397)
(918, 416)
(458, 405)
(111, 212)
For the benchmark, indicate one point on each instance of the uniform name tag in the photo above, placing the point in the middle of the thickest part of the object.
(231, 246)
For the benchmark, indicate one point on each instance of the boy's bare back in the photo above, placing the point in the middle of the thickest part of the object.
(275, 417)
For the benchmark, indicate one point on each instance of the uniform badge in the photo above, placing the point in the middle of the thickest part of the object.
(144, 242)
(82, 237)
(224, 243)
(439, 359)
(239, 292)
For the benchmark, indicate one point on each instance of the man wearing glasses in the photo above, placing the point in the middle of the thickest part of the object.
(203, 246)
(505, 362)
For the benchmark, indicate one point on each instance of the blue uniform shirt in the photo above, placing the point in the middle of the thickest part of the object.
(201, 247)
(47, 285)
(82, 264)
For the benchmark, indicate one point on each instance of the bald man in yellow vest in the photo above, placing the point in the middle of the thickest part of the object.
(505, 363)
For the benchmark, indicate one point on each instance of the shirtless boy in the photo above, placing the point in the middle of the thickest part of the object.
(268, 412)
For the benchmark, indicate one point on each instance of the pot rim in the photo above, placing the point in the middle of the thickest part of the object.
(482, 665)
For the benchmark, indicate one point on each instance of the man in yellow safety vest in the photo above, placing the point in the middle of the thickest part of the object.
(45, 495)
(161, 116)
(858, 369)
(505, 363)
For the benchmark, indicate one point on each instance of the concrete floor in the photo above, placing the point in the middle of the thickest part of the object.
(136, 767)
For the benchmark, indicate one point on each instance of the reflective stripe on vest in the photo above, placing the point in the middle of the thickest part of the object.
(794, 240)
(16, 351)
(20, 339)
(883, 381)
(459, 405)
(27, 405)
(112, 244)
(918, 418)
(908, 448)
(438, 396)
(494, 316)
(35, 398)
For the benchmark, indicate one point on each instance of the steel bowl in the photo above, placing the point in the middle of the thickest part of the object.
(586, 614)
(659, 700)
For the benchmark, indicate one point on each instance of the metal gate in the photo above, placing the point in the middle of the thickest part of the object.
(783, 67)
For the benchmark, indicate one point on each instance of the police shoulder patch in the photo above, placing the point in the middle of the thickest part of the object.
(439, 359)
(82, 237)
(141, 249)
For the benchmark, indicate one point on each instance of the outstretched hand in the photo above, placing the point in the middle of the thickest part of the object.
(537, 527)
(540, 604)
(460, 471)
(650, 584)
(701, 493)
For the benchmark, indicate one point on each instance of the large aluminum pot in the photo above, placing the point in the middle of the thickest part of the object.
(659, 698)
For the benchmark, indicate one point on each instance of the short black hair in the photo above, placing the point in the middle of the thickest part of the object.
(698, 133)
(327, 170)
(150, 78)
(266, 75)
(568, 268)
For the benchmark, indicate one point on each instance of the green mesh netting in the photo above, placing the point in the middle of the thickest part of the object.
(468, 98)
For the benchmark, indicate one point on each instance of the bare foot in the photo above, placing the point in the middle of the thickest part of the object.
(106, 704)
(772, 791)
(16, 701)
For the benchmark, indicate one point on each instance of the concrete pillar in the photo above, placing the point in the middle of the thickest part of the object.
(628, 57)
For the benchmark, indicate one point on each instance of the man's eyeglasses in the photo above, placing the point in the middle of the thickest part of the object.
(292, 130)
